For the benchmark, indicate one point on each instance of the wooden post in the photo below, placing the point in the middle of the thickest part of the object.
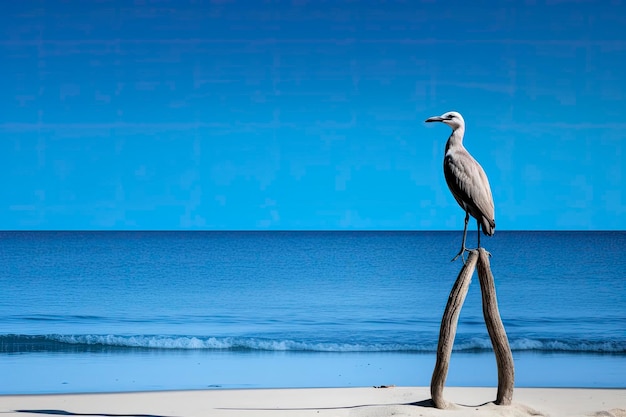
(499, 340)
(448, 329)
(495, 328)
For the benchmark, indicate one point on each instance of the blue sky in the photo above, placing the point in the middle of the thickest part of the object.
(307, 115)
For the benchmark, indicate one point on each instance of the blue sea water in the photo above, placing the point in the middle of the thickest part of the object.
(126, 311)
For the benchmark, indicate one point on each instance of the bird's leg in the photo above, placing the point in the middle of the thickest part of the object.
(463, 249)
(478, 223)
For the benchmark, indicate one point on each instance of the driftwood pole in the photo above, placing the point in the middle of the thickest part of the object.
(504, 358)
(497, 334)
(448, 329)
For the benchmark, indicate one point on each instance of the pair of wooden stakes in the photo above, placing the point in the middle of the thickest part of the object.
(504, 359)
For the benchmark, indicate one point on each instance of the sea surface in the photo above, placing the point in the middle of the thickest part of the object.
(131, 311)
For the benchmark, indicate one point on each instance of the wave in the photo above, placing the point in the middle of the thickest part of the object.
(13, 343)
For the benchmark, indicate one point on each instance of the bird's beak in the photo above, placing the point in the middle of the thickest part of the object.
(434, 119)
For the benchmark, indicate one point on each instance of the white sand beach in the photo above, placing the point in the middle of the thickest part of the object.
(365, 402)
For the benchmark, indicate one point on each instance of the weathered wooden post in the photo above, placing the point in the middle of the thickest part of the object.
(495, 328)
(447, 332)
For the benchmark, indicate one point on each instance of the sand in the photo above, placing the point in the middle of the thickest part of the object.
(358, 402)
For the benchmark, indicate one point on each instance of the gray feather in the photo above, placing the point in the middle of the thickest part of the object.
(470, 187)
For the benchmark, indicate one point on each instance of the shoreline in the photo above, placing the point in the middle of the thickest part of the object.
(199, 370)
(363, 401)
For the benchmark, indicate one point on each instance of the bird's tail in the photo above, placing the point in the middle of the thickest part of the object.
(489, 226)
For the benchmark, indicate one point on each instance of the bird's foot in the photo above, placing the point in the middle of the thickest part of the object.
(486, 251)
(461, 254)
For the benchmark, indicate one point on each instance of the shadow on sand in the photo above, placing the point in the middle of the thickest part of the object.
(69, 413)
(424, 404)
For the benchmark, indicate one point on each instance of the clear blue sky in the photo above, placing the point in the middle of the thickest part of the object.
(308, 114)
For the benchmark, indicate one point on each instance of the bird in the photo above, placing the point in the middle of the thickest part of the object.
(466, 179)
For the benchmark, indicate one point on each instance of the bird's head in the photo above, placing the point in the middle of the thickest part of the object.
(451, 118)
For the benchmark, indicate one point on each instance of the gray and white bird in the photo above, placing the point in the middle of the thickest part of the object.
(466, 179)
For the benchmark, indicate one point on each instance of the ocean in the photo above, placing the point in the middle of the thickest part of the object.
(136, 311)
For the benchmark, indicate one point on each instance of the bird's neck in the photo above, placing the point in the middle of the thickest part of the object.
(456, 138)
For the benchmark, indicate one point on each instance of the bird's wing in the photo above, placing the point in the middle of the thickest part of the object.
(469, 184)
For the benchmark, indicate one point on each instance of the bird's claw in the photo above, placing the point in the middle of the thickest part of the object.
(485, 250)
(461, 254)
